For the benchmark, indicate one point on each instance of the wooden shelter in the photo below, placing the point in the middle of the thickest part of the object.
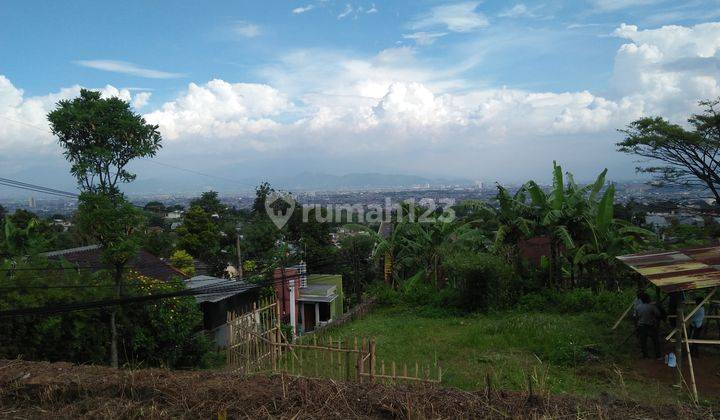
(678, 271)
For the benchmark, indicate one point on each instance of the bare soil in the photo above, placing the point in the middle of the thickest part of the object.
(63, 390)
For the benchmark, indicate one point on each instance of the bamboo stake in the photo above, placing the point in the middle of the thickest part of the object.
(688, 316)
(315, 364)
(372, 359)
(292, 362)
(339, 358)
(347, 360)
(404, 370)
(624, 314)
(393, 371)
(690, 363)
(360, 363)
(417, 375)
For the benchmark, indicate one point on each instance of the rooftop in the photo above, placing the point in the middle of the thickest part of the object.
(672, 271)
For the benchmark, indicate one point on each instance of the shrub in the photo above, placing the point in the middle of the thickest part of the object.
(384, 294)
(482, 280)
(575, 301)
(183, 261)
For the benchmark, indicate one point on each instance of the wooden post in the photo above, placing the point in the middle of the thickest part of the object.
(697, 308)
(273, 355)
(277, 327)
(228, 356)
(690, 363)
(347, 361)
(360, 355)
(393, 372)
(405, 370)
(372, 359)
(315, 352)
(339, 358)
(488, 384)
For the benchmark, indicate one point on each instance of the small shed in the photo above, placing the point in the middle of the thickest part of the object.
(677, 271)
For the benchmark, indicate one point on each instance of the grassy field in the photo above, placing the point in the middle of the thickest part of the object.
(560, 353)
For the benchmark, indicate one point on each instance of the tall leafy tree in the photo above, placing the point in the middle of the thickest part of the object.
(678, 155)
(99, 137)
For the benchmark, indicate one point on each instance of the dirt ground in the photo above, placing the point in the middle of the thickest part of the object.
(41, 389)
(707, 374)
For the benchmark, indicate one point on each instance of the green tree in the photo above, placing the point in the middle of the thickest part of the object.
(356, 251)
(685, 156)
(157, 242)
(199, 235)
(261, 194)
(155, 207)
(209, 201)
(183, 261)
(23, 241)
(99, 137)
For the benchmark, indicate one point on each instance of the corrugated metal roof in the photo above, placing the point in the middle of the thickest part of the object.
(683, 269)
(209, 281)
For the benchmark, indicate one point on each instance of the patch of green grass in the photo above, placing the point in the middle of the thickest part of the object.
(559, 353)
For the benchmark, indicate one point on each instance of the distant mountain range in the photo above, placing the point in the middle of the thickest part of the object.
(230, 180)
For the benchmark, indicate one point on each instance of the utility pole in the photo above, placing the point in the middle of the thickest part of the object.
(239, 255)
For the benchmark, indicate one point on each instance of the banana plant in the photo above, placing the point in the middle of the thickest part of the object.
(21, 242)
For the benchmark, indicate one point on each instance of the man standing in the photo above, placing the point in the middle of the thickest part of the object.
(696, 324)
(648, 319)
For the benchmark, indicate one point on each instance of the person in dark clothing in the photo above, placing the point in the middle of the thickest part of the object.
(673, 302)
(648, 319)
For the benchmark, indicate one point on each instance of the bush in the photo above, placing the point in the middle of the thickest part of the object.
(161, 332)
(384, 294)
(575, 301)
(481, 280)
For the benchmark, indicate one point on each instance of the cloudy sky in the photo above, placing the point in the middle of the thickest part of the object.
(491, 90)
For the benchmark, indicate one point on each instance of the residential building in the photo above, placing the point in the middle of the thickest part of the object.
(215, 306)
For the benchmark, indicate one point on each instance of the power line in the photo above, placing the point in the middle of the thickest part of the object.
(36, 188)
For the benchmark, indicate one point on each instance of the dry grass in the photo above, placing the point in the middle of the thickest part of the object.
(40, 389)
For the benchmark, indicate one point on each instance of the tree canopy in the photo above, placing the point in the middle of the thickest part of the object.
(679, 155)
(99, 137)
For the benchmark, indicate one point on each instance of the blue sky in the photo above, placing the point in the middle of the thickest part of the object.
(423, 87)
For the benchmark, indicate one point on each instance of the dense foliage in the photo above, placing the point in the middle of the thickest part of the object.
(161, 333)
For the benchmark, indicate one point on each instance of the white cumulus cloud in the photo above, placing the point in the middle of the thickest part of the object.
(220, 109)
